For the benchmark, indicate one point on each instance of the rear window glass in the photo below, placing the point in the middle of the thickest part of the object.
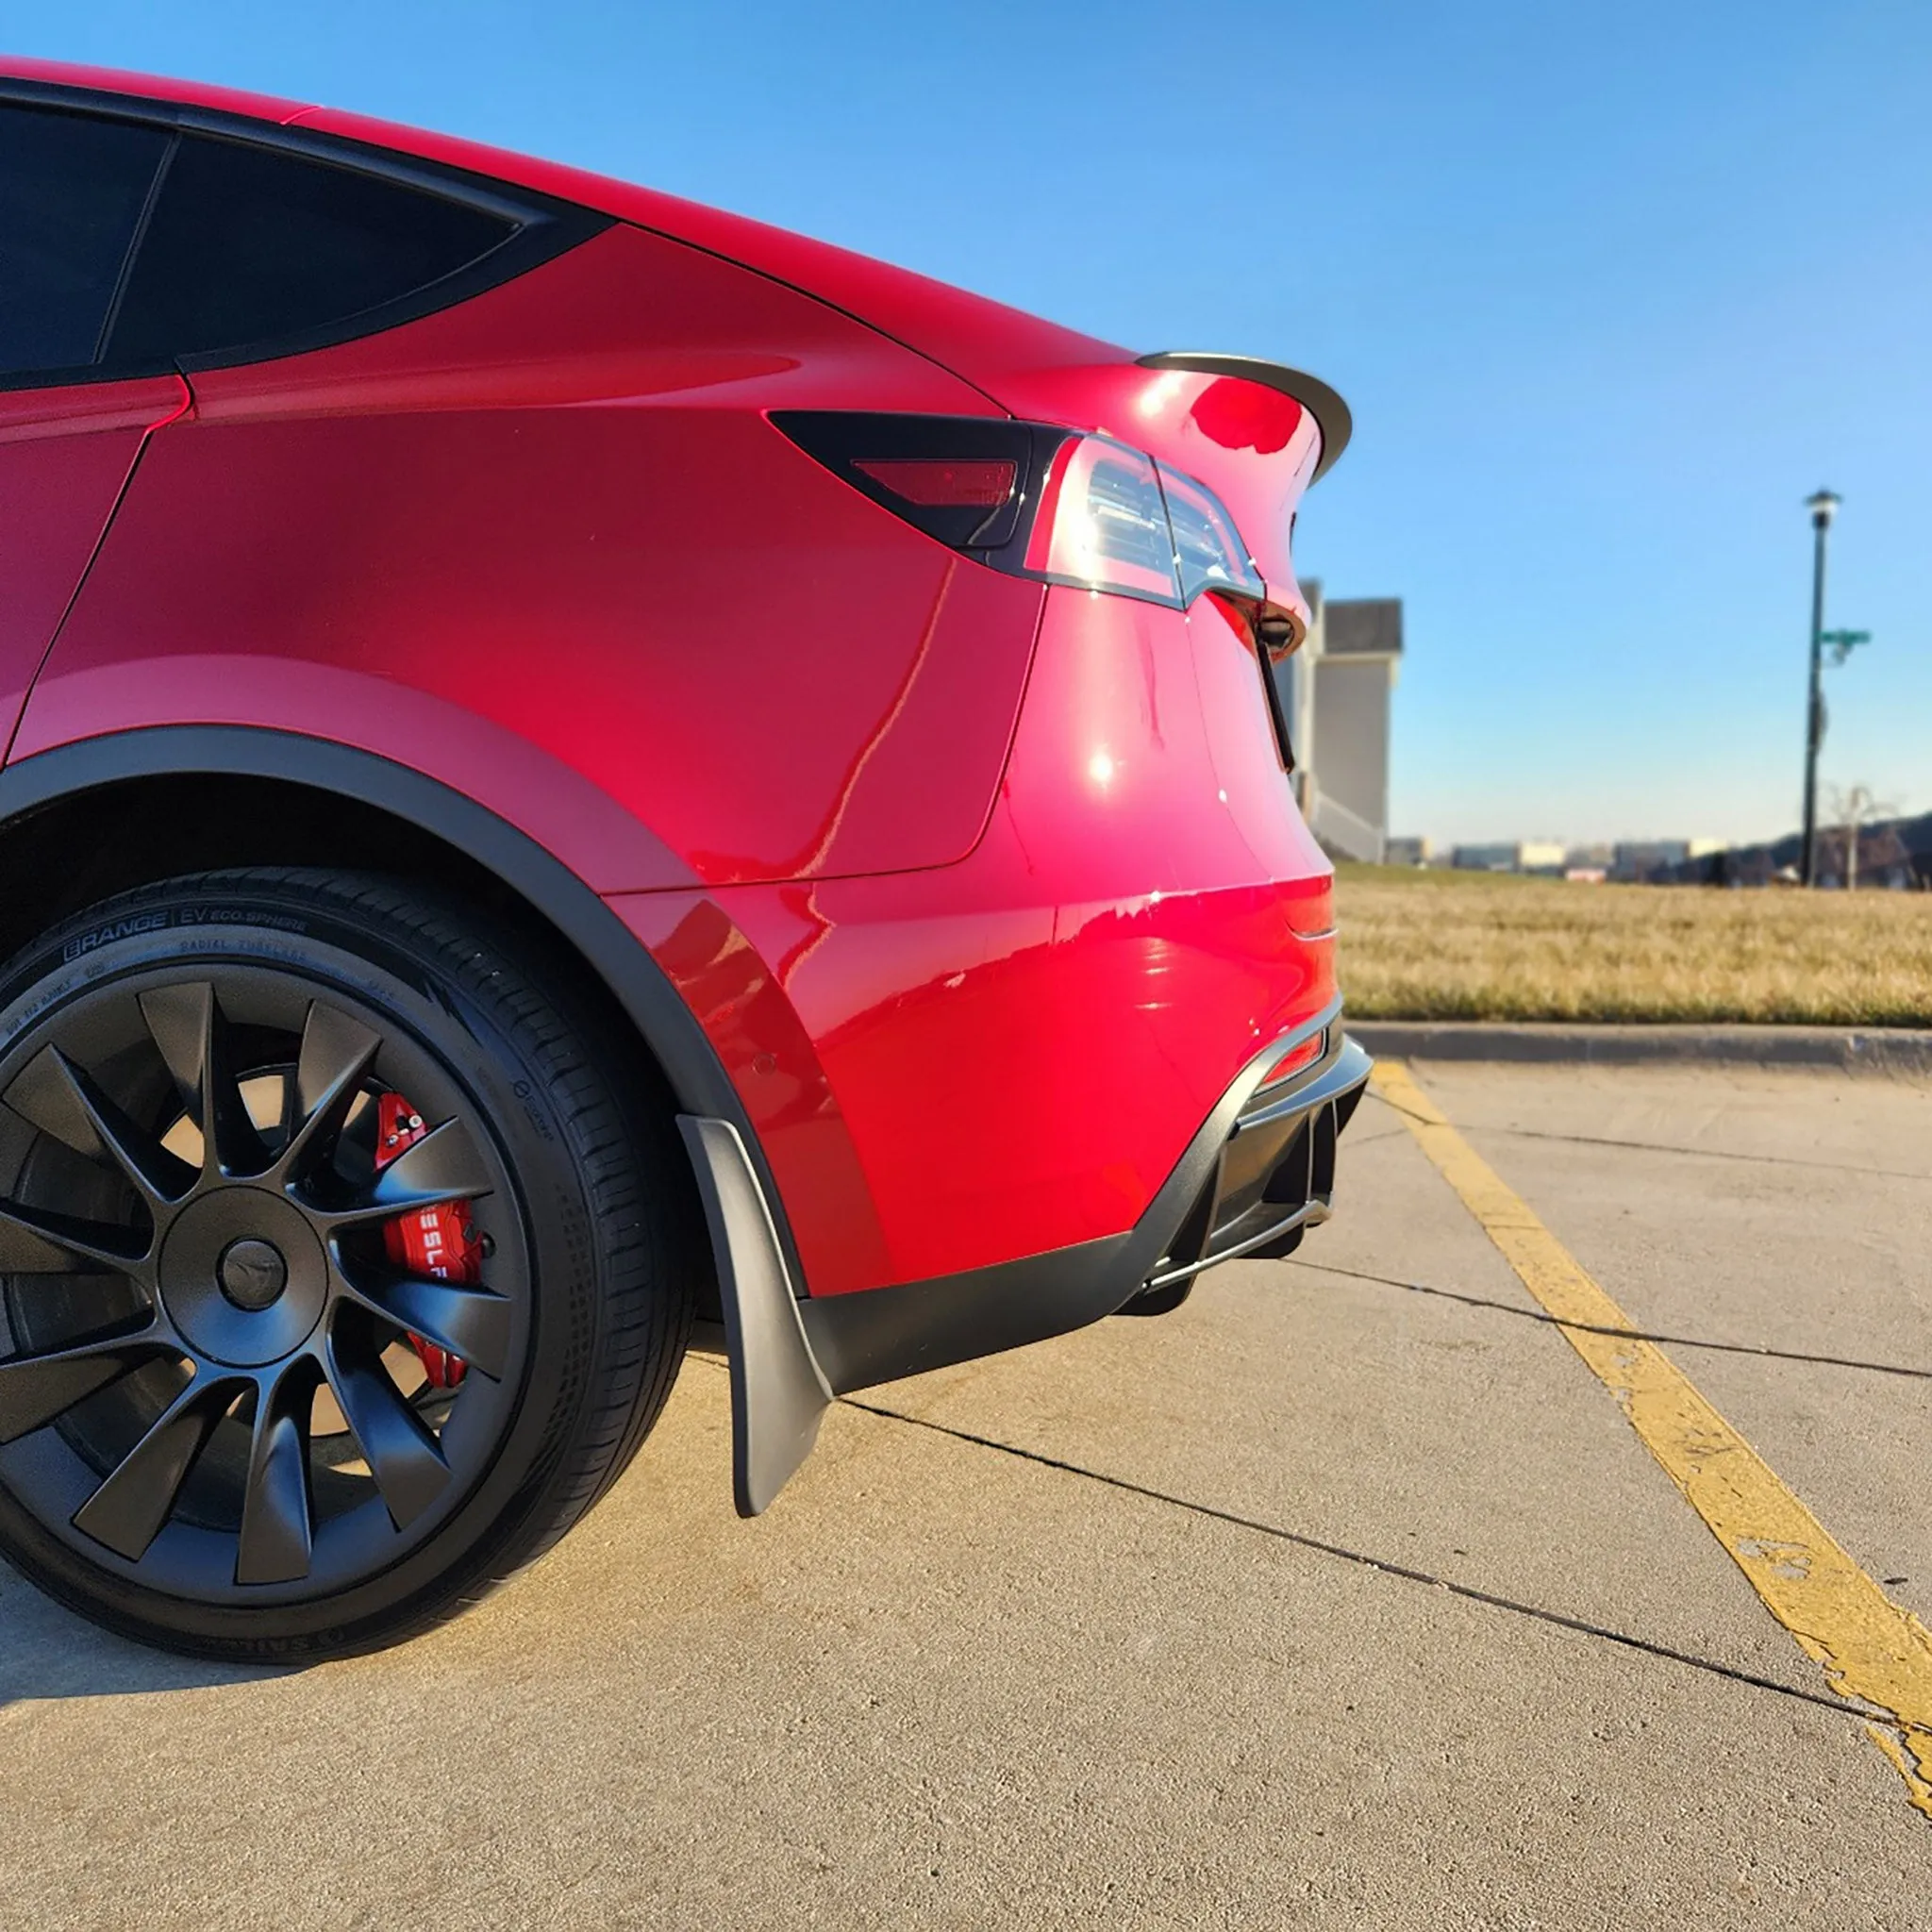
(72, 191)
(246, 247)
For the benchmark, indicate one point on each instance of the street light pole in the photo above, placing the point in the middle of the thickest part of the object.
(1821, 505)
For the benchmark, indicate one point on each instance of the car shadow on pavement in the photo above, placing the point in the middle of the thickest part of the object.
(47, 1653)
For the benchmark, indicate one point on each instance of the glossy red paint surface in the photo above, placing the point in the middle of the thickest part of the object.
(983, 893)
(549, 531)
(65, 454)
(951, 1069)
(954, 326)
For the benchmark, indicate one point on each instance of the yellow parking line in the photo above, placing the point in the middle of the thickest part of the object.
(1875, 1655)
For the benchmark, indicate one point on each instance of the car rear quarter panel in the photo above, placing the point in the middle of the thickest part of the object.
(951, 1070)
(546, 547)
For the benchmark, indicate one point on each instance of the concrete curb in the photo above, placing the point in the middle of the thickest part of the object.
(1897, 1050)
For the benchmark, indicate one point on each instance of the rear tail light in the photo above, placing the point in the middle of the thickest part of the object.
(1209, 551)
(1039, 501)
(941, 483)
(961, 480)
(1103, 524)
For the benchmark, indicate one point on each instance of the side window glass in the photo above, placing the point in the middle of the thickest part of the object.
(248, 245)
(72, 191)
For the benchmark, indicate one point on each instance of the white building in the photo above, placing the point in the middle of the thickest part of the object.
(1337, 691)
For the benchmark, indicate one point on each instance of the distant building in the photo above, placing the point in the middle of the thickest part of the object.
(1660, 860)
(1337, 691)
(1406, 851)
(1543, 856)
(1645, 859)
(1487, 857)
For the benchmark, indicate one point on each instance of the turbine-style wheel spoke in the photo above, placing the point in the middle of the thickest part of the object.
(337, 1052)
(25, 1252)
(36, 1390)
(471, 1324)
(443, 1166)
(121, 1249)
(277, 1530)
(132, 1506)
(402, 1454)
(154, 1172)
(192, 1032)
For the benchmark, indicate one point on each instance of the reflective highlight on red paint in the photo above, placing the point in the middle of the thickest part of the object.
(1296, 1059)
(964, 1066)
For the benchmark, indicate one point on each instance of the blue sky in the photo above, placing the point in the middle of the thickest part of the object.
(1611, 287)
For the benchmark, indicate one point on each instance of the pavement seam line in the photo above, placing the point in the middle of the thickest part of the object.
(1759, 1351)
(1402, 1572)
(1875, 1655)
(1382, 1566)
(1891, 1173)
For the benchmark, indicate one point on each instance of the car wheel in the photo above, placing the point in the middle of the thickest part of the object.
(346, 1259)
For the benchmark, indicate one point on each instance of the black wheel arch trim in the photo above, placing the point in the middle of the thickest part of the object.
(607, 947)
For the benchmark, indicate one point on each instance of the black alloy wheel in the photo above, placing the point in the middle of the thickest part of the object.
(346, 1259)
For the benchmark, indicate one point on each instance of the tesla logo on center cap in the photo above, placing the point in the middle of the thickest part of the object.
(252, 1274)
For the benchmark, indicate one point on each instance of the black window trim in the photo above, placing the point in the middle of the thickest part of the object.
(545, 227)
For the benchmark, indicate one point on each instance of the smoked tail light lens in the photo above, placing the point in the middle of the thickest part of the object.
(944, 482)
(1039, 501)
(964, 480)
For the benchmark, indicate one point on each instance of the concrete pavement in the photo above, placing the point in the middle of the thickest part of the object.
(1344, 1596)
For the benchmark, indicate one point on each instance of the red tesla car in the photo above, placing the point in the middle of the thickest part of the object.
(574, 762)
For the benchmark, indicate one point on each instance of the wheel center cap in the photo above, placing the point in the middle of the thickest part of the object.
(253, 1275)
(243, 1276)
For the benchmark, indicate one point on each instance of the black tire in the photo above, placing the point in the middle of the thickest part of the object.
(188, 1175)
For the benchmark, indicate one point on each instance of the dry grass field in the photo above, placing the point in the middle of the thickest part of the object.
(1446, 945)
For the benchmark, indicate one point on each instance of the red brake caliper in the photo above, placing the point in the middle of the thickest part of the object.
(437, 1241)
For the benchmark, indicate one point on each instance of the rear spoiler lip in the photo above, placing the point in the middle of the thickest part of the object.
(1331, 414)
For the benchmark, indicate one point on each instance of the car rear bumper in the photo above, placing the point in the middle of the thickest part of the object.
(1275, 1174)
(1260, 1168)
